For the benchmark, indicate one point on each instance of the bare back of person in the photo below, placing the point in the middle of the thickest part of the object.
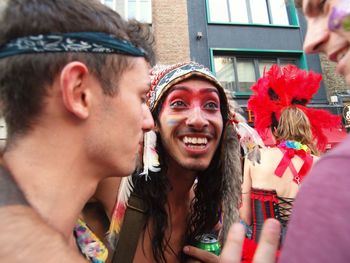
(263, 174)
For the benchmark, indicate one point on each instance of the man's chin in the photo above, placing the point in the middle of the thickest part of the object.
(196, 166)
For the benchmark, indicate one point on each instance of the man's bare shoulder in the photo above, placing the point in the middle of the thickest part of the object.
(25, 237)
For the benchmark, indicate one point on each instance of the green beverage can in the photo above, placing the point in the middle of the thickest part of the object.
(209, 243)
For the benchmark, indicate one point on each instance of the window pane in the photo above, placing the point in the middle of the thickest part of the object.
(279, 12)
(224, 69)
(259, 12)
(120, 7)
(285, 61)
(238, 9)
(246, 73)
(218, 10)
(108, 3)
(265, 64)
(145, 11)
(132, 9)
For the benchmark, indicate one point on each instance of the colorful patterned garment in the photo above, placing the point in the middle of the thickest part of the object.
(89, 244)
(267, 204)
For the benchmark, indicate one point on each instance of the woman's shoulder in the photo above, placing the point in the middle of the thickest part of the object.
(271, 151)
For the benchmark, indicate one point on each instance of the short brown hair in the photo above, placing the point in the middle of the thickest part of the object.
(24, 78)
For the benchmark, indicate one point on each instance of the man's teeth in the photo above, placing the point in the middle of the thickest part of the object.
(195, 140)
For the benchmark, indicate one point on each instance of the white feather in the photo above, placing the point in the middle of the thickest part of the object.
(150, 155)
(250, 141)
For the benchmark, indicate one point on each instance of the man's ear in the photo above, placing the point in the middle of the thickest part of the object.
(75, 89)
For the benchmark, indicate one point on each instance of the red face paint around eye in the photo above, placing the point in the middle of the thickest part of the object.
(186, 98)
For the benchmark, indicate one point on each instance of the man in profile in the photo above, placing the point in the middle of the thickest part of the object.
(73, 82)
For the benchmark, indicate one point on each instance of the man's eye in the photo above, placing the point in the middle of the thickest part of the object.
(177, 104)
(211, 106)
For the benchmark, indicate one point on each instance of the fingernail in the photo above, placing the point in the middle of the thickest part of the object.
(186, 249)
(273, 225)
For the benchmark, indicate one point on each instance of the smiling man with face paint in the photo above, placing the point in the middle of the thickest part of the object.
(198, 185)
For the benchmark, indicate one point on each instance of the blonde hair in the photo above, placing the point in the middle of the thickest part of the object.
(295, 125)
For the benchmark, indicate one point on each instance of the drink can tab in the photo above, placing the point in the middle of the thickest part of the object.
(209, 243)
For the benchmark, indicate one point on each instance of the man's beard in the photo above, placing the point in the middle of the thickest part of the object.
(193, 165)
(138, 164)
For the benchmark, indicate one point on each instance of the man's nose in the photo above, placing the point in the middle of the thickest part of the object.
(197, 119)
(316, 38)
(148, 122)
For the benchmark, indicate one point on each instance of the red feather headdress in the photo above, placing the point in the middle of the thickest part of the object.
(284, 87)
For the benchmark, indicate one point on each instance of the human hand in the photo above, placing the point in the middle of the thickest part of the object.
(232, 250)
(266, 250)
(199, 255)
(268, 242)
(231, 253)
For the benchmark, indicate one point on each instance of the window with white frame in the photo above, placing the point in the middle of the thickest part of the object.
(249, 11)
(239, 72)
(140, 10)
(109, 3)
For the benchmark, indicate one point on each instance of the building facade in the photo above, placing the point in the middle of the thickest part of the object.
(238, 40)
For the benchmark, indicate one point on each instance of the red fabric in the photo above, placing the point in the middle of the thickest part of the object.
(263, 195)
(249, 248)
(253, 213)
(286, 162)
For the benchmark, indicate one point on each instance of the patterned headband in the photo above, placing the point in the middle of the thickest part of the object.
(164, 77)
(88, 42)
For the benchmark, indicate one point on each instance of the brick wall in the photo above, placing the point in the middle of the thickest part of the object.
(170, 26)
(333, 81)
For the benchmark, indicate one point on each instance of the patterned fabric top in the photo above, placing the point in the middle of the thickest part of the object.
(91, 42)
(89, 244)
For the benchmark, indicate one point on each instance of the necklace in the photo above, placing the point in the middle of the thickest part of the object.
(290, 149)
(294, 145)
